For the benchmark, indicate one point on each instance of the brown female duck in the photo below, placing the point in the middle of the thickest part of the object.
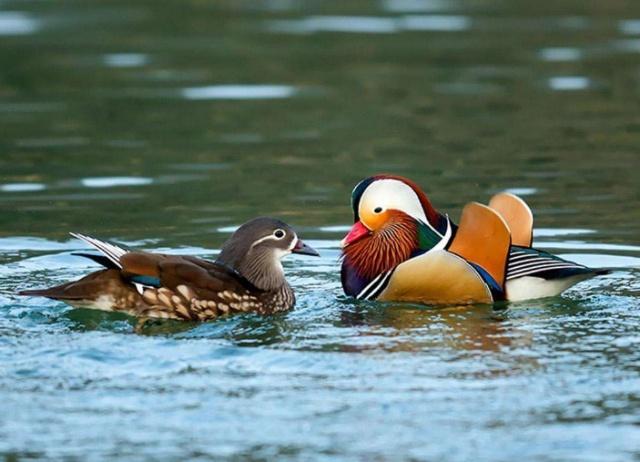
(246, 276)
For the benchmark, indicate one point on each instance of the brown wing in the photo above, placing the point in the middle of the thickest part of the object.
(189, 287)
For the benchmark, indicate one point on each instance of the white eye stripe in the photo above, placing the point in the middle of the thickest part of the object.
(392, 194)
(294, 242)
(273, 238)
(389, 194)
(266, 238)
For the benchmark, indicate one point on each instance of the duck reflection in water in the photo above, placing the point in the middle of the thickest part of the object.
(464, 327)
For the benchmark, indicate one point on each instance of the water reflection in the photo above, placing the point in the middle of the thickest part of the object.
(569, 83)
(522, 191)
(239, 92)
(28, 107)
(435, 23)
(36, 143)
(558, 54)
(546, 232)
(581, 245)
(335, 229)
(242, 138)
(629, 45)
(410, 6)
(371, 24)
(468, 88)
(629, 26)
(114, 181)
(126, 59)
(462, 104)
(17, 23)
(22, 187)
(416, 328)
(354, 24)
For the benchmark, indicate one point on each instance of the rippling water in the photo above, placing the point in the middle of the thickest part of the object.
(166, 125)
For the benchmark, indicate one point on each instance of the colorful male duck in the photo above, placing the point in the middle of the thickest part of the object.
(401, 249)
(247, 276)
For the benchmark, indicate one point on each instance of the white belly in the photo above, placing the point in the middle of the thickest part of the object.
(102, 303)
(530, 287)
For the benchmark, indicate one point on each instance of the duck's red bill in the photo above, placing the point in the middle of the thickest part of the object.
(357, 232)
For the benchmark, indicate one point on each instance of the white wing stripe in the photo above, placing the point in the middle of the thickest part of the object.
(521, 257)
(106, 249)
(539, 260)
(547, 264)
(529, 263)
(543, 263)
(112, 252)
(537, 269)
(140, 287)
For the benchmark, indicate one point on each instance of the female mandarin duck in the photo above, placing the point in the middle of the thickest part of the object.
(247, 276)
(401, 249)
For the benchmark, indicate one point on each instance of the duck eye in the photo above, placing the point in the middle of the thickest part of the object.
(278, 233)
(377, 210)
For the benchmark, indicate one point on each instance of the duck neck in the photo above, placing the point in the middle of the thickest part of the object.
(383, 250)
(263, 270)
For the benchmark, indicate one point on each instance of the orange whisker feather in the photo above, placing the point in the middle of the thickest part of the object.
(385, 248)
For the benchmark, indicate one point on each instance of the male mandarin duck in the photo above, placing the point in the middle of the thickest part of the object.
(401, 249)
(246, 276)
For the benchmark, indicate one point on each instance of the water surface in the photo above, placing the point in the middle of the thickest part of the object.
(166, 125)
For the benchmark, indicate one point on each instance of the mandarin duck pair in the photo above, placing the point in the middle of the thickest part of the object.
(399, 249)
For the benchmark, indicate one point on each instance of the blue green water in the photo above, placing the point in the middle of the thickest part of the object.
(166, 125)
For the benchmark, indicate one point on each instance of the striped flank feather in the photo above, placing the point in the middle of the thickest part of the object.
(529, 262)
(376, 286)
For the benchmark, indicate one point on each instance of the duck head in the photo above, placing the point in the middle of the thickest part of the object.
(393, 220)
(256, 248)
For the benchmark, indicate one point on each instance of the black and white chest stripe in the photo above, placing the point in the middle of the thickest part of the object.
(380, 282)
(527, 262)
(376, 286)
